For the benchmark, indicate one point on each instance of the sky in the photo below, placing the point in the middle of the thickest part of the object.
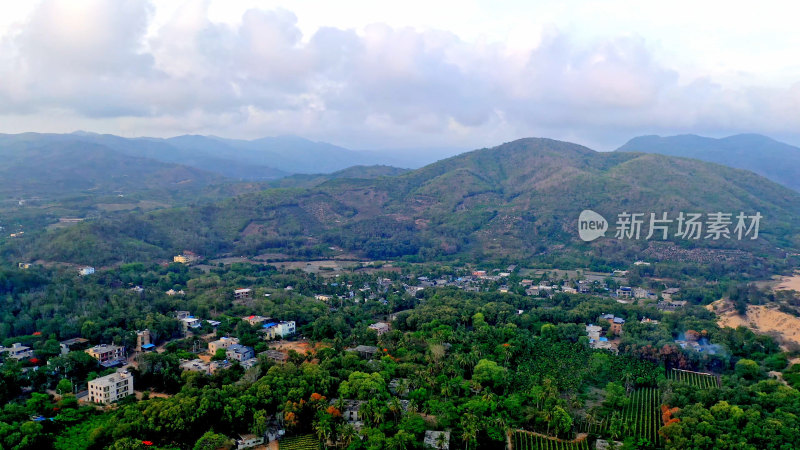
(413, 74)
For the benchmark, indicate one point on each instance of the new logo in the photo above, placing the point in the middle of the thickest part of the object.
(591, 225)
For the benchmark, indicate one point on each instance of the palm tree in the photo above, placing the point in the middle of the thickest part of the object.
(347, 434)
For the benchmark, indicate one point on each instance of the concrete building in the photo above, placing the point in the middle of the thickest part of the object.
(18, 351)
(248, 441)
(243, 293)
(86, 271)
(365, 351)
(144, 341)
(439, 440)
(111, 388)
(625, 292)
(255, 320)
(72, 344)
(381, 328)
(222, 343)
(593, 331)
(190, 323)
(239, 353)
(275, 330)
(196, 365)
(276, 356)
(107, 354)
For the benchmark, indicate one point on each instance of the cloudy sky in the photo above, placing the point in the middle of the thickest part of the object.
(372, 74)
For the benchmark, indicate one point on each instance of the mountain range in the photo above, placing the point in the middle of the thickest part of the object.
(517, 200)
(772, 159)
(255, 160)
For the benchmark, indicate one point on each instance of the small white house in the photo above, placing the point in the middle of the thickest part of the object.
(86, 271)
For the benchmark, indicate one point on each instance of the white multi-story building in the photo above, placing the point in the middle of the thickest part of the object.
(111, 388)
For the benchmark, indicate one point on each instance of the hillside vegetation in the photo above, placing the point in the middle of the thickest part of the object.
(517, 200)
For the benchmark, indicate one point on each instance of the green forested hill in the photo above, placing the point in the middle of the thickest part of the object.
(517, 200)
(772, 159)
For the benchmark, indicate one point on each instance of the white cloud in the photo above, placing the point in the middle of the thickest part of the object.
(373, 78)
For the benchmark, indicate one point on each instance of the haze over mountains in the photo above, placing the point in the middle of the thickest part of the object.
(775, 160)
(259, 159)
(512, 201)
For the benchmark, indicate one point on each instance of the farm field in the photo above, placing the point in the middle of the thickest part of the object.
(528, 441)
(642, 416)
(697, 379)
(304, 442)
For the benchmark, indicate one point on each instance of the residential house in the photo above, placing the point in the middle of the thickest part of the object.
(18, 351)
(219, 365)
(239, 353)
(593, 331)
(615, 323)
(196, 365)
(222, 343)
(85, 271)
(243, 293)
(248, 441)
(274, 330)
(439, 440)
(111, 388)
(144, 341)
(624, 292)
(365, 351)
(671, 305)
(380, 327)
(255, 320)
(642, 293)
(667, 294)
(190, 323)
(182, 314)
(322, 297)
(249, 363)
(107, 354)
(183, 259)
(276, 356)
(350, 409)
(186, 257)
(73, 344)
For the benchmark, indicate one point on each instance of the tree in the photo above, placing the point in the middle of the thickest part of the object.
(747, 368)
(213, 441)
(64, 386)
(220, 355)
(363, 386)
(560, 421)
(488, 372)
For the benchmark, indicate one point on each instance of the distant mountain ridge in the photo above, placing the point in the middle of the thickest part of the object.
(513, 201)
(772, 159)
(261, 159)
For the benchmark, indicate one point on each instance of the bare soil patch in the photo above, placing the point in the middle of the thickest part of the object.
(763, 319)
